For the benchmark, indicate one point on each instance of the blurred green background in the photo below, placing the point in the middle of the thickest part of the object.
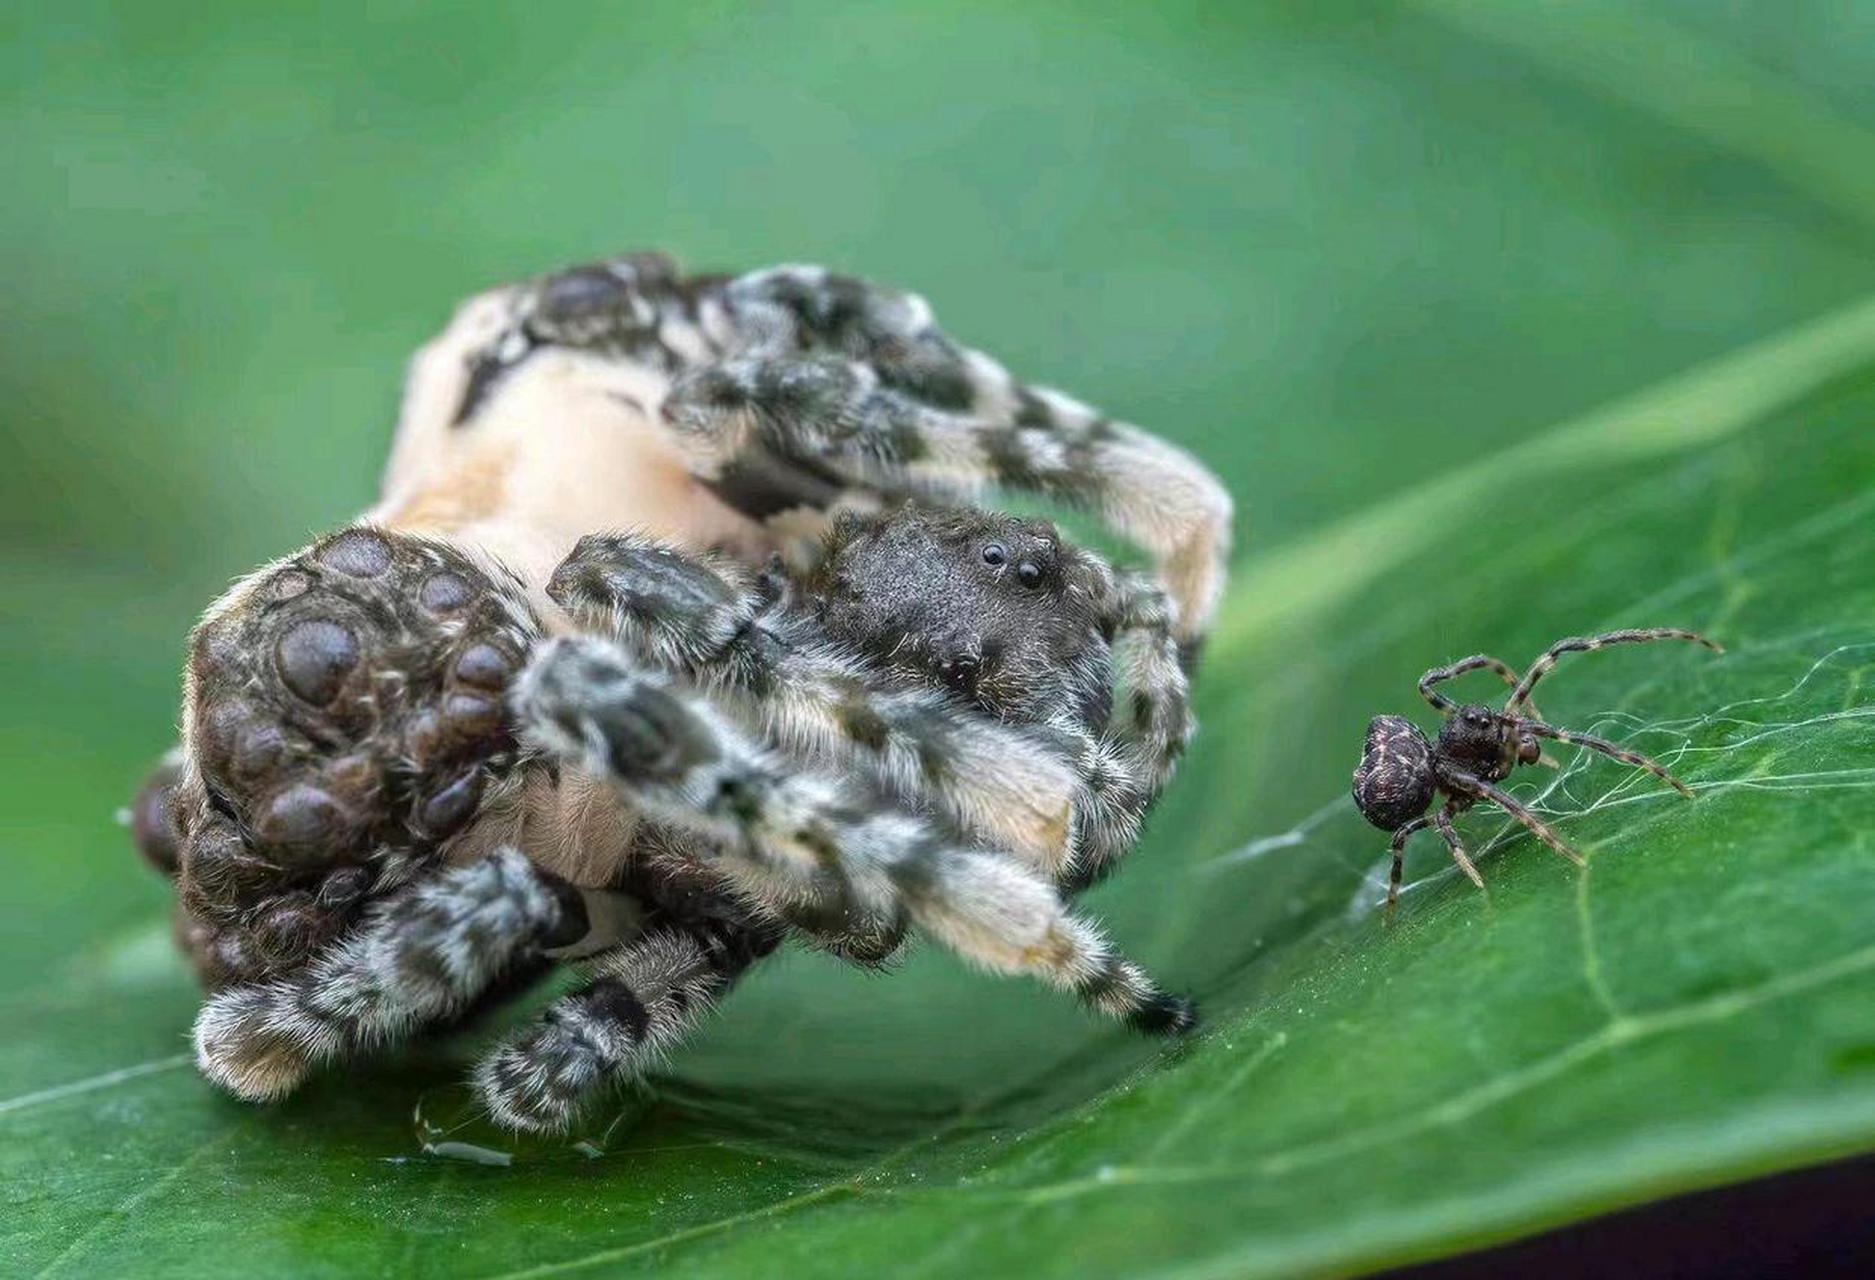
(1339, 250)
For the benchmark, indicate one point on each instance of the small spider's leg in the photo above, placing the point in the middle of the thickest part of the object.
(859, 380)
(1398, 849)
(1520, 696)
(642, 999)
(1477, 662)
(419, 956)
(1467, 784)
(1607, 748)
(1010, 783)
(1443, 819)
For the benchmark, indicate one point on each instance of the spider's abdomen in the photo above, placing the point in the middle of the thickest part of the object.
(1394, 783)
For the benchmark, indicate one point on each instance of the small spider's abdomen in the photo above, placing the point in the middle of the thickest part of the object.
(1394, 783)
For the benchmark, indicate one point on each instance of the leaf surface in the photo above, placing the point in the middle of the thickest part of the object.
(1480, 375)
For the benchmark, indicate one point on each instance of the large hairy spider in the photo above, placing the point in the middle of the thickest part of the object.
(474, 733)
(1402, 772)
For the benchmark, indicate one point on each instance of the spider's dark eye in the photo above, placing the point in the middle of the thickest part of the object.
(995, 554)
(1029, 574)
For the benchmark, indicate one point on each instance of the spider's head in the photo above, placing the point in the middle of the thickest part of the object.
(1394, 783)
(1479, 740)
(996, 608)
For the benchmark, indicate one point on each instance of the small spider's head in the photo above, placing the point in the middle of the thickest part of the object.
(1479, 740)
(1394, 783)
(995, 607)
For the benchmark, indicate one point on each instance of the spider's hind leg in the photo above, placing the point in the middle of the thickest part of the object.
(1397, 871)
(643, 998)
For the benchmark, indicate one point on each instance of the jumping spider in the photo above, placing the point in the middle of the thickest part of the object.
(1402, 772)
(474, 734)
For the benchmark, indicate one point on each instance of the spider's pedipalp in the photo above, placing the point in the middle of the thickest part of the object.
(642, 999)
(419, 956)
(1520, 696)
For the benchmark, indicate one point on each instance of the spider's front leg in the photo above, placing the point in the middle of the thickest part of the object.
(857, 380)
(803, 840)
(711, 622)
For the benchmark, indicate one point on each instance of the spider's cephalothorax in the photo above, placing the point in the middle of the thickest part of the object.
(993, 606)
(439, 749)
(1402, 772)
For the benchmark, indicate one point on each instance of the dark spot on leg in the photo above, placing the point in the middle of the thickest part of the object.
(314, 658)
(572, 924)
(617, 1002)
(1165, 1015)
(862, 724)
(357, 552)
(1031, 411)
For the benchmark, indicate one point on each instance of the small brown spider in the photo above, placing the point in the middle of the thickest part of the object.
(1402, 771)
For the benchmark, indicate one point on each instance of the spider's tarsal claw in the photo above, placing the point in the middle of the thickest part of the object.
(1166, 1015)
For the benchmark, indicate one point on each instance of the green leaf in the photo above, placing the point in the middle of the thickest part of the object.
(1496, 335)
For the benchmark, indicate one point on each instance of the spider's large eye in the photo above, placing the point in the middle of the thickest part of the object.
(995, 554)
(1029, 574)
